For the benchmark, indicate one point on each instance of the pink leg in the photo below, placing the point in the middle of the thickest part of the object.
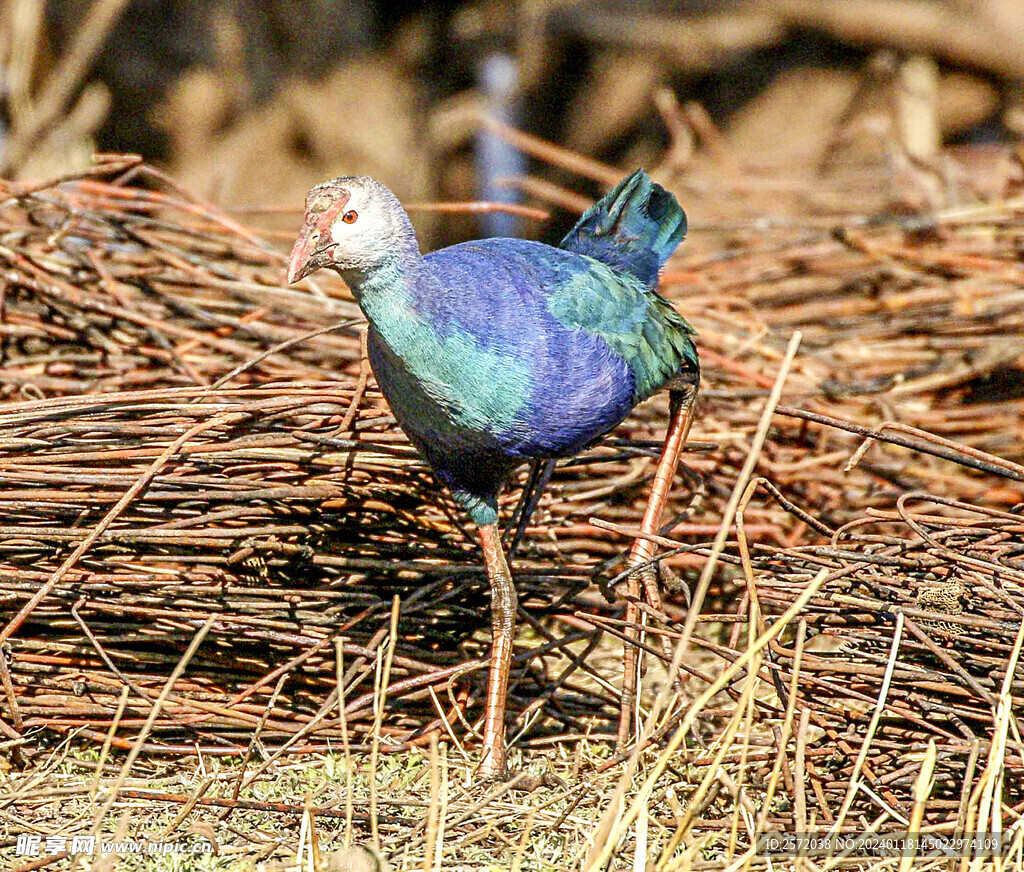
(643, 550)
(503, 620)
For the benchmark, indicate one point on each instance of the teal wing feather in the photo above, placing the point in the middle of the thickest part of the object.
(637, 323)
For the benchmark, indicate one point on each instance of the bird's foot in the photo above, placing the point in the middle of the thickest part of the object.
(673, 583)
(517, 780)
(493, 765)
(531, 782)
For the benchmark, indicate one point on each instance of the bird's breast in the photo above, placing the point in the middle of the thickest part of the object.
(531, 399)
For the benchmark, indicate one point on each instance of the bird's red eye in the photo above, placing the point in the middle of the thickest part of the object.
(349, 217)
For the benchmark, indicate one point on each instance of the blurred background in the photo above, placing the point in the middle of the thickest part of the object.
(250, 102)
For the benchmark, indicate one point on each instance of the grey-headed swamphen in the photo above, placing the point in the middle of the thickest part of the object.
(502, 351)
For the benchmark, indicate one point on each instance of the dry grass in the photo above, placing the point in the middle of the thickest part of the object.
(208, 518)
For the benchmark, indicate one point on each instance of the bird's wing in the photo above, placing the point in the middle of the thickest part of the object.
(639, 325)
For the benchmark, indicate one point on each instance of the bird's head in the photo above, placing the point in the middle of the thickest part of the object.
(352, 225)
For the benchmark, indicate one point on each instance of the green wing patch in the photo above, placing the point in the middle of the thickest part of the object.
(639, 325)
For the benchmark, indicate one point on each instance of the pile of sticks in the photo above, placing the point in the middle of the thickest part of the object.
(246, 488)
(187, 446)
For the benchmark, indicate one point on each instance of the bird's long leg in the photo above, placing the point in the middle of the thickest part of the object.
(681, 406)
(503, 620)
(540, 475)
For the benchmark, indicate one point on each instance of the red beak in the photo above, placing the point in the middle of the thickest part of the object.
(303, 260)
(322, 206)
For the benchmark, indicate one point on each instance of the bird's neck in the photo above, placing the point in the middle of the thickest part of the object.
(386, 291)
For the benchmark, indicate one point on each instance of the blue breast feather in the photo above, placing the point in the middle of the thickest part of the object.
(552, 346)
(510, 350)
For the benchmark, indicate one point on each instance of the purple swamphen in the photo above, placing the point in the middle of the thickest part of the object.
(502, 351)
